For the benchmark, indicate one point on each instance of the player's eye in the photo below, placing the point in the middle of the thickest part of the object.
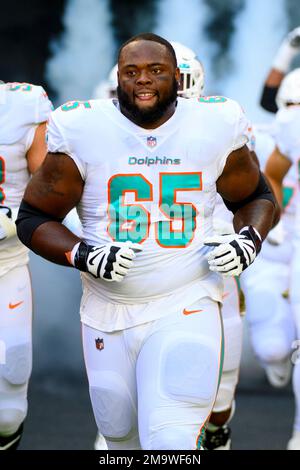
(156, 70)
(131, 73)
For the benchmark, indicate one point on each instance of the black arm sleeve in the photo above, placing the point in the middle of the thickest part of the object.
(262, 191)
(29, 218)
(268, 99)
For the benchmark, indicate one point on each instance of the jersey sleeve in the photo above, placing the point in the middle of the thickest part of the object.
(239, 128)
(242, 130)
(38, 109)
(43, 106)
(59, 139)
(287, 133)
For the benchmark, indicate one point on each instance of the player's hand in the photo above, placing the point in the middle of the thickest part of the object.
(110, 262)
(7, 225)
(287, 51)
(293, 38)
(233, 253)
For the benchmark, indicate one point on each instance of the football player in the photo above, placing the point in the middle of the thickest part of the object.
(285, 155)
(217, 436)
(288, 50)
(143, 171)
(24, 110)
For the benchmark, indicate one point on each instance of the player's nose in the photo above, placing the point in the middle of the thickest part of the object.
(144, 78)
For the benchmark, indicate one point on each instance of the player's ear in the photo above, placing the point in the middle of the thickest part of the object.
(177, 75)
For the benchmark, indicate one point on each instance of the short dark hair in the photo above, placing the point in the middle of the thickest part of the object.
(151, 37)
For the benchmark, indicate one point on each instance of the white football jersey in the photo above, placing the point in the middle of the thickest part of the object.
(154, 187)
(287, 138)
(22, 107)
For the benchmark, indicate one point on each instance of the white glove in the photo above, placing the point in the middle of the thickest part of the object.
(289, 48)
(233, 253)
(7, 224)
(110, 262)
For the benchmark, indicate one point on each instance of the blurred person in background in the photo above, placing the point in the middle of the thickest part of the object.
(285, 156)
(24, 110)
(288, 50)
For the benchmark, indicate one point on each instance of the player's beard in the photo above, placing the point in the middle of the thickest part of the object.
(151, 115)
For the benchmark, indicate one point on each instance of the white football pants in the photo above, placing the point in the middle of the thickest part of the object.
(295, 305)
(233, 340)
(15, 347)
(268, 312)
(156, 383)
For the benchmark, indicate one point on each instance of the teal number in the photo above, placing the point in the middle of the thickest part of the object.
(128, 221)
(75, 104)
(20, 86)
(212, 99)
(184, 213)
(287, 194)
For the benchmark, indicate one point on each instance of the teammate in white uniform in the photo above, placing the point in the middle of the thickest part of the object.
(289, 49)
(285, 155)
(24, 108)
(144, 172)
(265, 284)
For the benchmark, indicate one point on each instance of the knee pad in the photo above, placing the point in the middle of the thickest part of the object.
(113, 406)
(190, 371)
(173, 438)
(17, 368)
(272, 350)
(270, 343)
(129, 442)
(10, 420)
(225, 395)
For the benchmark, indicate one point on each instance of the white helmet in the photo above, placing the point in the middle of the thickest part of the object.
(289, 90)
(108, 88)
(191, 72)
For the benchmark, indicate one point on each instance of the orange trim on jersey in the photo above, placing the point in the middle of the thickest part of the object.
(135, 191)
(200, 188)
(2, 179)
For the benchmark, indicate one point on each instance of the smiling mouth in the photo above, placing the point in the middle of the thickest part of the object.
(145, 96)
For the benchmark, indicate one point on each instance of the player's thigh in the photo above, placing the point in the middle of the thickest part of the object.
(112, 383)
(15, 347)
(178, 371)
(16, 325)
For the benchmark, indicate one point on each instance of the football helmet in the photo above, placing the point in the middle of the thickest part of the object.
(289, 90)
(108, 88)
(191, 72)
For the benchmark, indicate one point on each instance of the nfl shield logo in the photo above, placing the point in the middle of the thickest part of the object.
(151, 141)
(99, 343)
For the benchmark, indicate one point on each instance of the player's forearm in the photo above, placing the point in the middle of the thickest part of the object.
(274, 78)
(53, 241)
(261, 214)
